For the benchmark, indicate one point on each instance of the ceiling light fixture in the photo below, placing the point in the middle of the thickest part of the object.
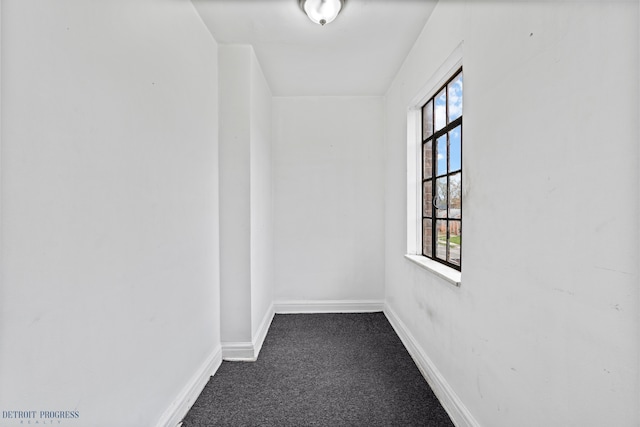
(322, 11)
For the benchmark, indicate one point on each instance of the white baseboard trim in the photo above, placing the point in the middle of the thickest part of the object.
(261, 333)
(328, 306)
(238, 351)
(458, 412)
(179, 408)
(248, 351)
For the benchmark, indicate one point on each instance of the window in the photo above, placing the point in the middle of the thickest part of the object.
(442, 174)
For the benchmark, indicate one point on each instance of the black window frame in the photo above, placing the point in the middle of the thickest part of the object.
(433, 138)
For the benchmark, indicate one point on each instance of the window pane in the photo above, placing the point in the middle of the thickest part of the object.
(441, 109)
(455, 151)
(441, 155)
(441, 240)
(427, 120)
(441, 197)
(455, 241)
(455, 98)
(455, 195)
(426, 237)
(427, 159)
(427, 197)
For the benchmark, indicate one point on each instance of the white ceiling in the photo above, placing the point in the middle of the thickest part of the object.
(357, 54)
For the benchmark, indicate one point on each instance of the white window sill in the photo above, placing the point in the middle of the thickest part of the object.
(447, 273)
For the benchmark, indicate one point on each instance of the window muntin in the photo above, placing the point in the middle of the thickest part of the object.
(442, 174)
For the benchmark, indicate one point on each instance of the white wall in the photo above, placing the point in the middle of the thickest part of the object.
(544, 328)
(245, 193)
(328, 199)
(262, 272)
(235, 184)
(109, 296)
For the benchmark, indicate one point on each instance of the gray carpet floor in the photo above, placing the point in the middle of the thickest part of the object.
(321, 370)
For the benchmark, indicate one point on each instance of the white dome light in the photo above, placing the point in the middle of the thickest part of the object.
(322, 11)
